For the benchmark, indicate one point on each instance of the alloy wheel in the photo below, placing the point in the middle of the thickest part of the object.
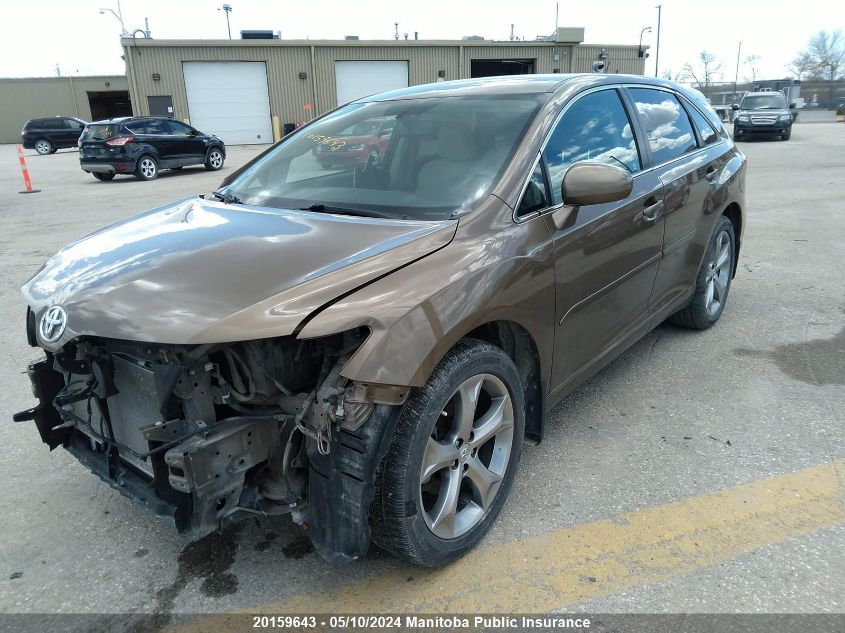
(148, 167)
(43, 147)
(718, 275)
(215, 159)
(467, 456)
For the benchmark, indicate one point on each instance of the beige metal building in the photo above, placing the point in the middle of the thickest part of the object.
(88, 98)
(245, 91)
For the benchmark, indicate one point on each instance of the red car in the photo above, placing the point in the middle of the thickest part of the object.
(360, 145)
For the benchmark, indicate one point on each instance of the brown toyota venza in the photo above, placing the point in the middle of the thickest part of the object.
(365, 323)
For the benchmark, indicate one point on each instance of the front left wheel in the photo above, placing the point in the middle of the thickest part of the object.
(214, 160)
(453, 458)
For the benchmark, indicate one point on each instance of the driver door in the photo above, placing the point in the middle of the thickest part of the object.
(606, 255)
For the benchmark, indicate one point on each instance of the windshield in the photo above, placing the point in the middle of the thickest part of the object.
(775, 101)
(416, 159)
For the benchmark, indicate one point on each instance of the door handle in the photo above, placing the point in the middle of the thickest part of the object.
(652, 209)
(710, 174)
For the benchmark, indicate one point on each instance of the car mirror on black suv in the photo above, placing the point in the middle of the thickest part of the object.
(735, 106)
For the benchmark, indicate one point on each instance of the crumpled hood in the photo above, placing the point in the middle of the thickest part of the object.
(200, 271)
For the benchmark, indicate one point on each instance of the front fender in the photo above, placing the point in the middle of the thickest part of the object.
(416, 314)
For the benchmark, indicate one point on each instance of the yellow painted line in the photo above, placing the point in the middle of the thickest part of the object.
(580, 563)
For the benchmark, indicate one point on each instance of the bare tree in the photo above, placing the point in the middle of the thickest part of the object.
(824, 58)
(667, 73)
(752, 62)
(801, 66)
(705, 72)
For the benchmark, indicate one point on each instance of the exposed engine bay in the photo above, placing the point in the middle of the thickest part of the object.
(209, 434)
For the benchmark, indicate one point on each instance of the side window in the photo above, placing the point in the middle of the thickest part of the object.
(535, 196)
(705, 130)
(669, 131)
(154, 127)
(175, 127)
(595, 128)
(53, 124)
(73, 124)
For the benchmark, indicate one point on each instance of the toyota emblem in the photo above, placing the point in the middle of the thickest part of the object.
(53, 324)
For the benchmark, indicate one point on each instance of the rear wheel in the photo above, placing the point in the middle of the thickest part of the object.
(214, 160)
(102, 176)
(147, 168)
(713, 281)
(43, 147)
(453, 458)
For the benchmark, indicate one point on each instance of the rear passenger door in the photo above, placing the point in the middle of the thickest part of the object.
(686, 155)
(606, 256)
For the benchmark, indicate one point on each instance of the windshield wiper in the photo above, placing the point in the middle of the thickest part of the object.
(226, 198)
(324, 208)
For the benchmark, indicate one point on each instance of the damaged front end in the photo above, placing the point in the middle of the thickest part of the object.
(205, 435)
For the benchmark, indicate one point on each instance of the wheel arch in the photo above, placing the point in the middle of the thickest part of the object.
(734, 213)
(517, 342)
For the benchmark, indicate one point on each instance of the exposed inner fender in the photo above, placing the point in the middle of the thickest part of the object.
(342, 484)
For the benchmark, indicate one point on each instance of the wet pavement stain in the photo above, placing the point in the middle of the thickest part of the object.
(267, 542)
(208, 559)
(298, 547)
(816, 362)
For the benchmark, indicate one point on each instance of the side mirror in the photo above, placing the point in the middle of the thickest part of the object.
(595, 183)
(591, 183)
(792, 106)
(193, 132)
(735, 106)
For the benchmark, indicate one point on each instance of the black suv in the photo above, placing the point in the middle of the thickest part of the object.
(144, 145)
(46, 136)
(763, 113)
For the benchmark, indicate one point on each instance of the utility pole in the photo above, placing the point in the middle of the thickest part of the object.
(736, 75)
(396, 30)
(659, 8)
(557, 12)
(227, 9)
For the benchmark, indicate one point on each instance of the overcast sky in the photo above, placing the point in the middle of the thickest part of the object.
(35, 35)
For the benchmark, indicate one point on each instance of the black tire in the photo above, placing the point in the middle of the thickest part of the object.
(43, 147)
(214, 159)
(54, 150)
(785, 137)
(398, 511)
(102, 176)
(697, 314)
(147, 168)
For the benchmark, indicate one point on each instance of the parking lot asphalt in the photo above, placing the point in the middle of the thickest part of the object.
(700, 472)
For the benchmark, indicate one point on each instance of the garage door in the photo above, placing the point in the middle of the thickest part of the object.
(230, 100)
(359, 79)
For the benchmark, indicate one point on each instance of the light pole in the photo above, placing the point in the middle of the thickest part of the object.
(119, 16)
(659, 8)
(640, 48)
(227, 9)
